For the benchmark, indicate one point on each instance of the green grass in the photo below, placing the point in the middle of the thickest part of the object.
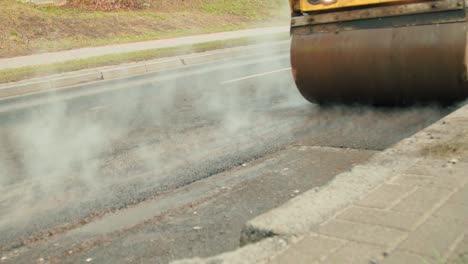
(80, 41)
(60, 11)
(54, 10)
(28, 29)
(237, 8)
(147, 14)
(253, 9)
(17, 74)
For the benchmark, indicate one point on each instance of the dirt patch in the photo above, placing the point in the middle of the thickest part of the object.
(27, 29)
(448, 149)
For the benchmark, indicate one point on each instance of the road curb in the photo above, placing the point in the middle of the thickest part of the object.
(50, 83)
(163, 65)
(302, 215)
(24, 88)
(257, 253)
(77, 79)
(123, 71)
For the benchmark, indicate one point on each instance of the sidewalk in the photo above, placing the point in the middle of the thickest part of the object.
(61, 56)
(420, 216)
(409, 204)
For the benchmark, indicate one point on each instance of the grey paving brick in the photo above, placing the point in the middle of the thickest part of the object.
(405, 221)
(461, 196)
(354, 253)
(308, 250)
(433, 238)
(460, 168)
(422, 200)
(427, 167)
(464, 158)
(402, 257)
(384, 196)
(433, 167)
(457, 212)
(440, 181)
(361, 232)
(460, 254)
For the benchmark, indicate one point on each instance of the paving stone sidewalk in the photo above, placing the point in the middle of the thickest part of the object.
(416, 215)
(420, 216)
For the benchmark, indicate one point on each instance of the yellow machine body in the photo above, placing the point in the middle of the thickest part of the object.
(379, 51)
(307, 6)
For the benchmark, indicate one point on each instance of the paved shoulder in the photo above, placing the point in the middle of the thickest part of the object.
(409, 204)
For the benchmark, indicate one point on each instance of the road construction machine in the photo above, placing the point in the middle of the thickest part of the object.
(379, 51)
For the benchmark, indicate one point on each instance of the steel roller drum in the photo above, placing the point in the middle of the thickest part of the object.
(383, 66)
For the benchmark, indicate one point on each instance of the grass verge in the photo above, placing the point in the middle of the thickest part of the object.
(17, 74)
(28, 29)
(75, 42)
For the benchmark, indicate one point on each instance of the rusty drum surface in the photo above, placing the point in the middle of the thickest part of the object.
(395, 65)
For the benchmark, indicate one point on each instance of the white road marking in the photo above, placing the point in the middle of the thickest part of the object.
(255, 76)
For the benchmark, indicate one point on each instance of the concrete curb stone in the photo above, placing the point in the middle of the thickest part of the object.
(49, 83)
(163, 65)
(123, 71)
(24, 88)
(255, 253)
(74, 80)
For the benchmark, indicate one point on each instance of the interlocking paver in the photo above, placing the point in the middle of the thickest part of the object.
(457, 212)
(460, 254)
(402, 257)
(354, 253)
(433, 167)
(308, 250)
(384, 196)
(422, 200)
(398, 220)
(373, 234)
(461, 196)
(433, 238)
(440, 181)
(427, 167)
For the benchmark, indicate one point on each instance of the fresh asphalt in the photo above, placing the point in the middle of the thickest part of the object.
(165, 166)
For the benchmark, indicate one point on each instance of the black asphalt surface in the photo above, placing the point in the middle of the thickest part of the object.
(206, 147)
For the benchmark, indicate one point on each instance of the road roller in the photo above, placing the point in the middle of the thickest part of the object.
(383, 52)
